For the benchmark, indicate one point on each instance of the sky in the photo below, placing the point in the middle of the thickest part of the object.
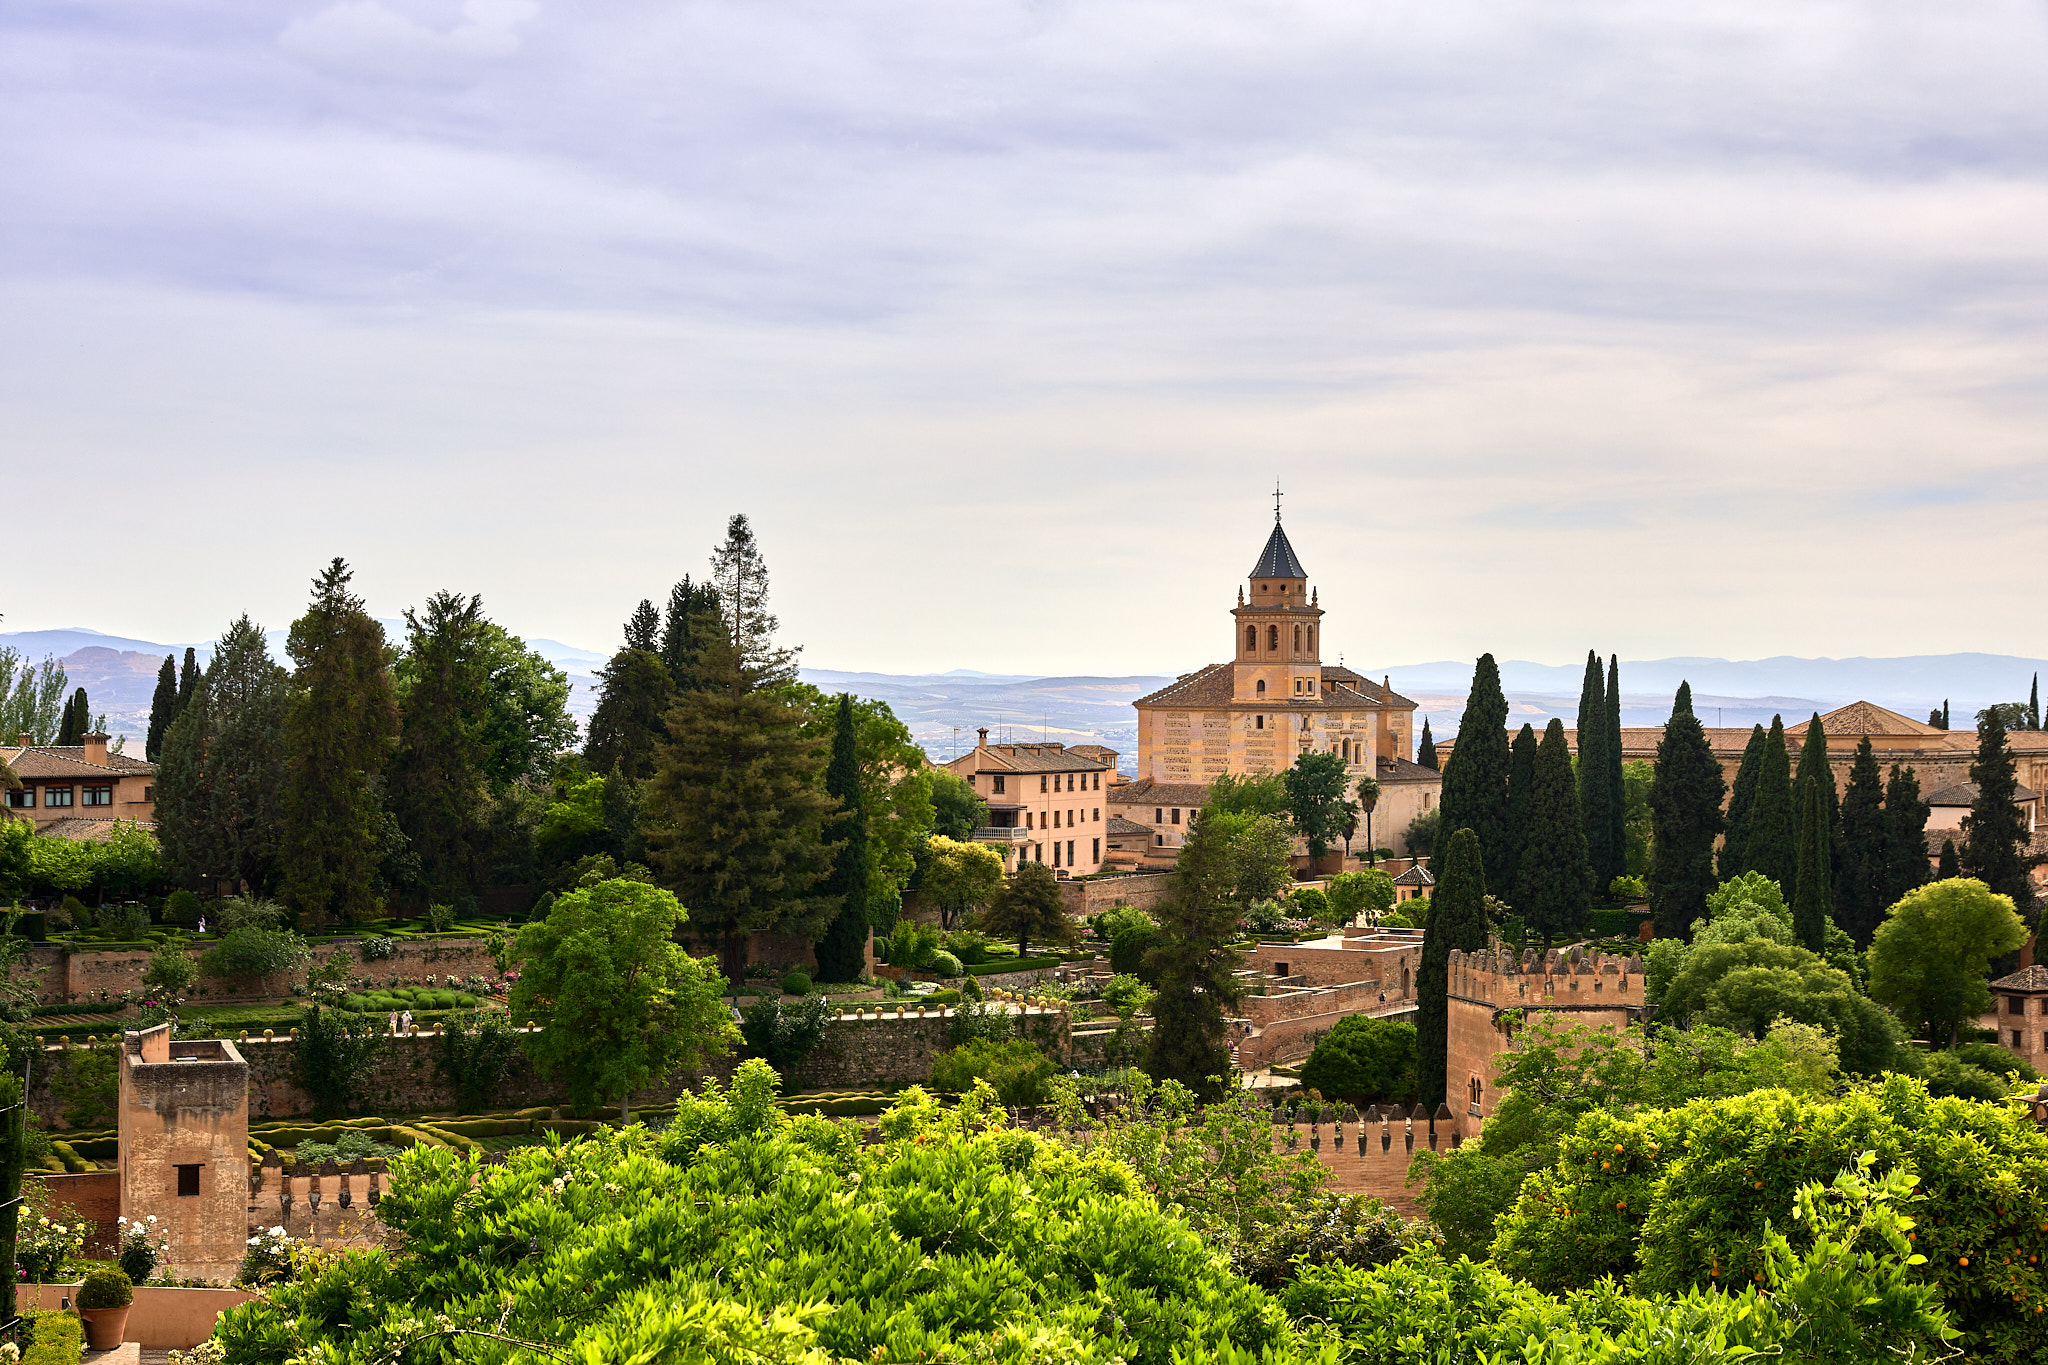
(1714, 329)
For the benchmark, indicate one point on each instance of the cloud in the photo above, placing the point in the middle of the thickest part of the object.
(372, 39)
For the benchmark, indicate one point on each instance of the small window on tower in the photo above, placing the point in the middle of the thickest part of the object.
(1297, 639)
(1251, 637)
(1261, 688)
(188, 1182)
(1273, 637)
(1259, 723)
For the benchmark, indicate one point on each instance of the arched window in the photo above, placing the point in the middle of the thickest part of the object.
(1251, 638)
(1261, 689)
(1273, 637)
(1297, 639)
(1311, 639)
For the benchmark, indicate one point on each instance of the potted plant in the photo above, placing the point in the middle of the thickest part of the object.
(103, 1301)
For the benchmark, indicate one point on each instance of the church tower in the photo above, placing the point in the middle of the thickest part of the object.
(1278, 655)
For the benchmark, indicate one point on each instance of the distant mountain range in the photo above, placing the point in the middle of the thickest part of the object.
(943, 710)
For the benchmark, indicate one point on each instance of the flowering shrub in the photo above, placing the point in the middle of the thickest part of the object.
(374, 949)
(41, 1248)
(267, 1261)
(143, 1246)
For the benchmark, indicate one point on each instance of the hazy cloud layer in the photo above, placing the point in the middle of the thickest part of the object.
(1714, 329)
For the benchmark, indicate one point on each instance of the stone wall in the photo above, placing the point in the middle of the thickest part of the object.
(65, 974)
(1143, 890)
(1488, 989)
(1375, 1158)
(1291, 1040)
(94, 1195)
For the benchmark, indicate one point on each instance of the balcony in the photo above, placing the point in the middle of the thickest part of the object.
(1003, 834)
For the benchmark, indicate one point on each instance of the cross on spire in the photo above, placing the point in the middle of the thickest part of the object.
(1276, 502)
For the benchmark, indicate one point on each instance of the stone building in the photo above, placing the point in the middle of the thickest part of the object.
(184, 1147)
(77, 791)
(1046, 802)
(1273, 701)
(2020, 1002)
(1489, 992)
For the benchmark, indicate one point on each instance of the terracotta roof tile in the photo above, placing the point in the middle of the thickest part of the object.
(1033, 758)
(50, 760)
(1401, 770)
(1963, 793)
(2034, 978)
(79, 828)
(1146, 792)
(1119, 825)
(1210, 686)
(1417, 875)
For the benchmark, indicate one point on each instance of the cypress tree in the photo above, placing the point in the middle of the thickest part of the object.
(437, 785)
(1860, 880)
(1521, 781)
(1771, 844)
(1425, 748)
(1685, 818)
(1905, 835)
(188, 679)
(1813, 881)
(1594, 791)
(633, 693)
(736, 811)
(1949, 865)
(643, 628)
(1193, 964)
(1995, 832)
(341, 723)
(1814, 768)
(2034, 704)
(1457, 923)
(74, 721)
(842, 953)
(1475, 784)
(220, 781)
(1617, 784)
(1553, 872)
(1740, 802)
(163, 708)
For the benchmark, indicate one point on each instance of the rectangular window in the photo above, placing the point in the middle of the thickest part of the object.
(149, 793)
(1160, 840)
(188, 1182)
(22, 797)
(1055, 853)
(1098, 851)
(970, 779)
(1070, 853)
(1027, 820)
(56, 796)
(999, 784)
(1098, 815)
(2018, 1043)
(1041, 784)
(2015, 1004)
(1159, 815)
(1098, 781)
(99, 796)
(1176, 815)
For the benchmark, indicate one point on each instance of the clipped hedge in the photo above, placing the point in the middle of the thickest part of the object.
(569, 1127)
(73, 1162)
(52, 1339)
(1021, 964)
(480, 1128)
(96, 1147)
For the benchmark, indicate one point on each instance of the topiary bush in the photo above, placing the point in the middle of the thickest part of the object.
(105, 1287)
(796, 983)
(945, 964)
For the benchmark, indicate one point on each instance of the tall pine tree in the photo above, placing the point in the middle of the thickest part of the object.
(1553, 872)
(1771, 844)
(1425, 747)
(1457, 923)
(1475, 783)
(340, 725)
(633, 694)
(1860, 881)
(1521, 782)
(1814, 768)
(1193, 964)
(692, 617)
(740, 578)
(1813, 879)
(1685, 819)
(1995, 834)
(1905, 835)
(437, 784)
(220, 780)
(1594, 790)
(736, 811)
(1741, 800)
(163, 709)
(842, 953)
(643, 628)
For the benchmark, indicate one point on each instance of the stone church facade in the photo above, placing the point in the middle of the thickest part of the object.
(1273, 701)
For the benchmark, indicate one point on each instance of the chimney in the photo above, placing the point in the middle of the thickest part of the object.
(95, 748)
(983, 732)
(27, 739)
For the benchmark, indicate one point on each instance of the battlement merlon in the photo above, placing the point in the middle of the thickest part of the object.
(1559, 978)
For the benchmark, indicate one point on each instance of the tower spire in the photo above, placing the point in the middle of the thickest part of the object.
(1276, 502)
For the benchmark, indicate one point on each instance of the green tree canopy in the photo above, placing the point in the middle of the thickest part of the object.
(634, 692)
(1457, 923)
(1860, 880)
(1248, 794)
(1192, 964)
(842, 952)
(437, 782)
(1685, 810)
(1995, 833)
(1750, 985)
(691, 619)
(1317, 787)
(1030, 909)
(341, 723)
(1355, 893)
(959, 877)
(1929, 959)
(1554, 873)
(1475, 783)
(1596, 790)
(1741, 800)
(1813, 891)
(1425, 747)
(1364, 1060)
(220, 780)
(618, 1003)
(1521, 782)
(163, 709)
(1771, 844)
(1905, 836)
(956, 809)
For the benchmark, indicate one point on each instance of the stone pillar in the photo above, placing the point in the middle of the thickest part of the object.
(184, 1134)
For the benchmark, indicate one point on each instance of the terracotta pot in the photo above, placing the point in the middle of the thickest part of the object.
(104, 1326)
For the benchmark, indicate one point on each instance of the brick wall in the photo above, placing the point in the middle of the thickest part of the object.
(95, 1195)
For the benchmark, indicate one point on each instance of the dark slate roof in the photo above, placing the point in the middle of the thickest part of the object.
(1216, 685)
(1146, 792)
(1965, 793)
(79, 828)
(1277, 559)
(1119, 825)
(2034, 978)
(1417, 875)
(1401, 770)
